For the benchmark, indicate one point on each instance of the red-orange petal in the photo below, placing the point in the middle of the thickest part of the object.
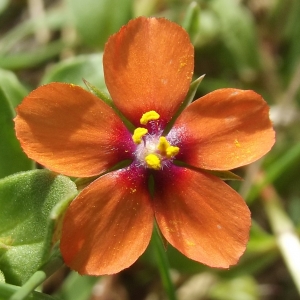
(223, 130)
(201, 216)
(148, 65)
(109, 225)
(71, 131)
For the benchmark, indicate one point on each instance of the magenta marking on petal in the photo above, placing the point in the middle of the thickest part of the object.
(134, 173)
(164, 177)
(126, 146)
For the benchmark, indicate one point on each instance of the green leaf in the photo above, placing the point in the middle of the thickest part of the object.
(100, 94)
(77, 287)
(237, 32)
(191, 21)
(54, 263)
(145, 7)
(27, 200)
(12, 158)
(54, 19)
(12, 87)
(260, 241)
(2, 278)
(97, 20)
(235, 289)
(3, 5)
(75, 69)
(31, 59)
(180, 262)
(287, 160)
(292, 34)
(188, 100)
(225, 175)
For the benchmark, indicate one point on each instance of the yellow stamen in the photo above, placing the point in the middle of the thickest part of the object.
(149, 116)
(138, 134)
(172, 151)
(153, 161)
(163, 145)
(166, 149)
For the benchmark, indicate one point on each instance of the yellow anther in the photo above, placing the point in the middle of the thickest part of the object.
(172, 151)
(166, 149)
(138, 134)
(149, 116)
(163, 144)
(153, 161)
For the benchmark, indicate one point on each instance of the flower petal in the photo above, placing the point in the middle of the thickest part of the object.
(71, 131)
(225, 129)
(148, 65)
(109, 225)
(201, 216)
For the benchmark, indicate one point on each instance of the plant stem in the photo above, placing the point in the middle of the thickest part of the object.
(7, 290)
(34, 281)
(274, 171)
(163, 265)
(285, 232)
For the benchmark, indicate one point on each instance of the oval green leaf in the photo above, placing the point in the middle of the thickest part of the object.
(97, 20)
(12, 87)
(12, 158)
(74, 70)
(27, 200)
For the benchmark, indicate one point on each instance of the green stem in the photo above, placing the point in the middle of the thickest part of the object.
(163, 265)
(7, 290)
(274, 171)
(285, 232)
(33, 282)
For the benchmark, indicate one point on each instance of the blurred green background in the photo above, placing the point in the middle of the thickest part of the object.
(248, 44)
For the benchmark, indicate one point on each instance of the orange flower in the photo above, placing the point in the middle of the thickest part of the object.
(148, 68)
